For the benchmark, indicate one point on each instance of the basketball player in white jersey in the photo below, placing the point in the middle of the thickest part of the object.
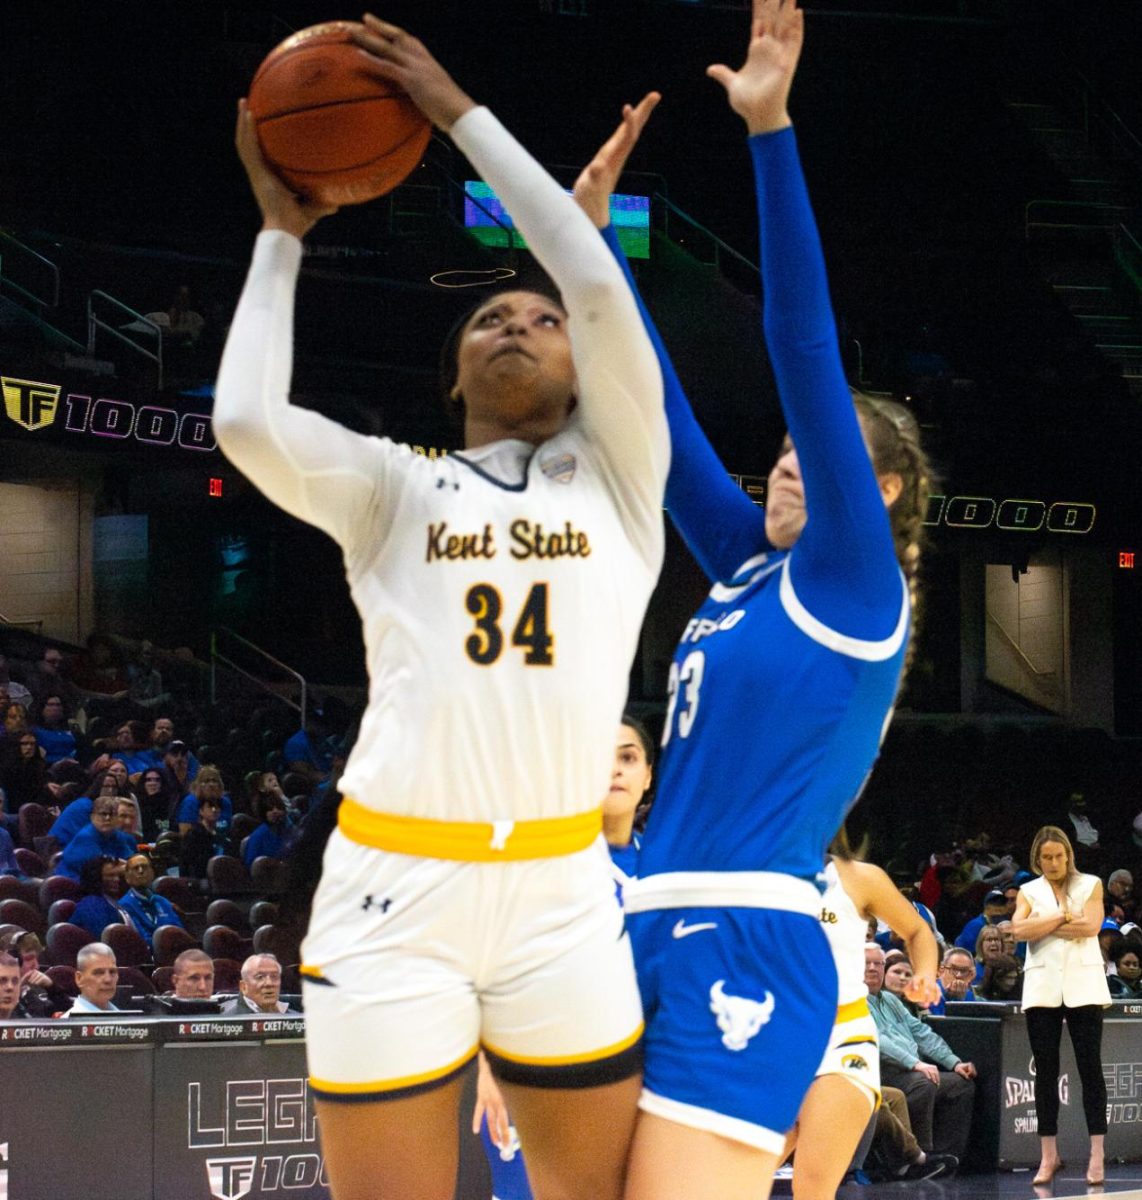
(846, 1091)
(467, 901)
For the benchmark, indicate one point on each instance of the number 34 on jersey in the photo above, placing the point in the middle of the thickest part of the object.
(530, 633)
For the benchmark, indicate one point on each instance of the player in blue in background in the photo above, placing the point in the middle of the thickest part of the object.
(780, 692)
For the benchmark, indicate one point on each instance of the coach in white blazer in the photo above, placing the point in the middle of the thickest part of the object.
(1059, 915)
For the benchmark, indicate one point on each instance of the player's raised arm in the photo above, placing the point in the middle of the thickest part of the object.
(721, 525)
(312, 467)
(847, 534)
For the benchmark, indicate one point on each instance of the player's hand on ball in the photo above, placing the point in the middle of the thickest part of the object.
(759, 91)
(922, 990)
(597, 181)
(281, 209)
(393, 54)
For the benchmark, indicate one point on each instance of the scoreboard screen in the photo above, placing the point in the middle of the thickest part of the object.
(630, 216)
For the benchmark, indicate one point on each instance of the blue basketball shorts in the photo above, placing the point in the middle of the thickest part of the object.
(739, 1004)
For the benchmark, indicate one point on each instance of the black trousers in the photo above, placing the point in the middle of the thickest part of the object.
(1045, 1031)
(940, 1115)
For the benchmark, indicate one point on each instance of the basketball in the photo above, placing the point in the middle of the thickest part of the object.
(332, 132)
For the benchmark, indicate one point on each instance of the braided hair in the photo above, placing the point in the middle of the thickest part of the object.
(893, 437)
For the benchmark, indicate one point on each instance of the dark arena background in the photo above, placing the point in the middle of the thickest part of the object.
(976, 170)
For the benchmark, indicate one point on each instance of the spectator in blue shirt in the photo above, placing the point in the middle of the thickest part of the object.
(131, 747)
(102, 883)
(208, 784)
(996, 908)
(77, 815)
(8, 863)
(957, 974)
(306, 754)
(269, 839)
(145, 908)
(98, 839)
(53, 734)
(163, 741)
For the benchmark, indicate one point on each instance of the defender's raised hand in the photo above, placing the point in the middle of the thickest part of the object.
(759, 91)
(597, 181)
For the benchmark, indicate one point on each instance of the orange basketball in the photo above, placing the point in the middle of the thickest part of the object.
(332, 132)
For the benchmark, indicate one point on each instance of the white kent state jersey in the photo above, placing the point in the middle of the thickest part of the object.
(847, 932)
(501, 590)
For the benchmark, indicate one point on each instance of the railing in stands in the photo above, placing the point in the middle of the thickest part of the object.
(217, 656)
(1071, 214)
(51, 300)
(138, 324)
(33, 299)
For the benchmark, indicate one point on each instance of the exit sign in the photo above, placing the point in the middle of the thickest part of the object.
(215, 486)
(1126, 560)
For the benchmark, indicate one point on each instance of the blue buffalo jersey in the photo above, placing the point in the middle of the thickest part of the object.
(624, 864)
(783, 683)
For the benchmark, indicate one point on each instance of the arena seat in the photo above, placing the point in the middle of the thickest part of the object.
(162, 979)
(180, 892)
(64, 979)
(26, 916)
(220, 941)
(60, 910)
(64, 942)
(136, 980)
(228, 876)
(269, 875)
(227, 973)
(226, 912)
(169, 942)
(131, 949)
(280, 941)
(263, 912)
(30, 862)
(58, 887)
(34, 821)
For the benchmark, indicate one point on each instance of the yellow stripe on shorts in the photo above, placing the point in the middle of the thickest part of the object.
(851, 1011)
(469, 841)
(391, 1085)
(568, 1060)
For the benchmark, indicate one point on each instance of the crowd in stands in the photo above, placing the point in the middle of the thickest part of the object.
(142, 839)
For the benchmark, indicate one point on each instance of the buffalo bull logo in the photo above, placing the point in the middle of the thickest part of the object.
(739, 1018)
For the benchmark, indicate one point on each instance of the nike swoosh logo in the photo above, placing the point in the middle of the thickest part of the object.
(681, 929)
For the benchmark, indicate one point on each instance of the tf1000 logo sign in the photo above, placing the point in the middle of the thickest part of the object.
(35, 405)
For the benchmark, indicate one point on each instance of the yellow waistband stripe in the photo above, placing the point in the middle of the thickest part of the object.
(469, 841)
(392, 1085)
(567, 1060)
(852, 1010)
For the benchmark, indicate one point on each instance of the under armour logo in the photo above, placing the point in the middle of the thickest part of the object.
(230, 1178)
(443, 483)
(383, 905)
(739, 1018)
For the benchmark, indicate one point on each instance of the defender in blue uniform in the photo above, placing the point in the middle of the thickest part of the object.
(780, 691)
